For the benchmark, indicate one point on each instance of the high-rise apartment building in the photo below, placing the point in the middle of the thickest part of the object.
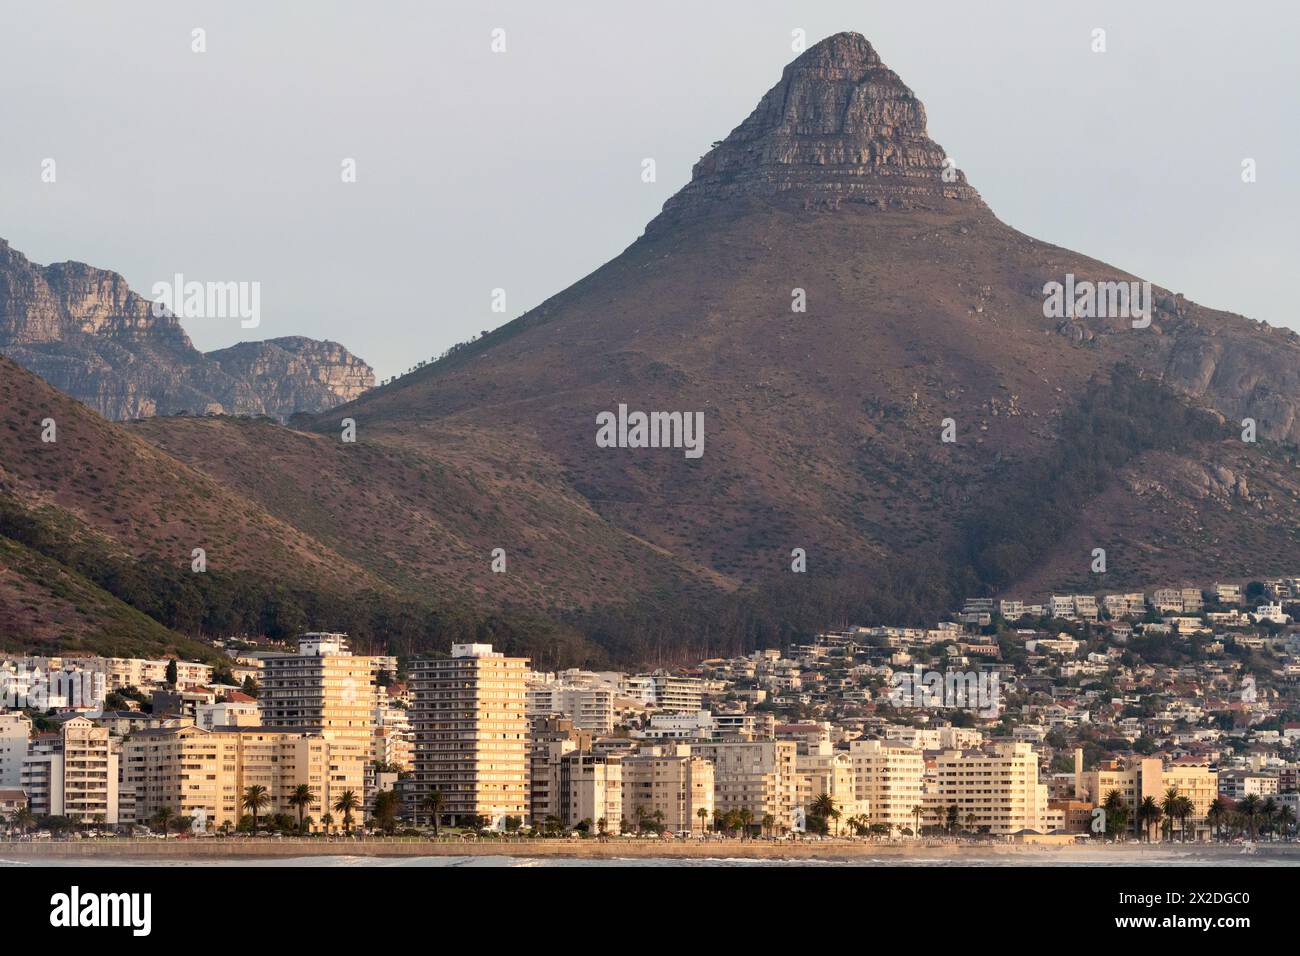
(669, 784)
(550, 739)
(591, 791)
(15, 732)
(995, 791)
(588, 702)
(73, 774)
(471, 734)
(759, 776)
(891, 779)
(677, 695)
(322, 689)
(823, 770)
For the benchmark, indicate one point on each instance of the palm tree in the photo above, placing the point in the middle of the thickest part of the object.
(1116, 814)
(1185, 809)
(746, 817)
(1147, 813)
(1249, 808)
(1269, 812)
(1216, 815)
(23, 819)
(1236, 824)
(1169, 807)
(971, 820)
(161, 817)
(916, 815)
(824, 806)
(303, 796)
(768, 823)
(345, 804)
(432, 804)
(253, 800)
(1285, 820)
(703, 814)
(384, 810)
(327, 821)
(952, 816)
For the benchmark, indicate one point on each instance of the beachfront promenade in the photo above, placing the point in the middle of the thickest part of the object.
(266, 848)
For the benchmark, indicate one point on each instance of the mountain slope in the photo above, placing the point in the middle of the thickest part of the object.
(113, 519)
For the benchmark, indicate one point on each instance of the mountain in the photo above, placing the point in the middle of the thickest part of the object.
(81, 329)
(822, 428)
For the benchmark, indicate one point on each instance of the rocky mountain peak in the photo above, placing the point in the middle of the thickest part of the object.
(840, 126)
(84, 331)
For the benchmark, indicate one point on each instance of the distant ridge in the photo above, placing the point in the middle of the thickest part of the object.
(83, 331)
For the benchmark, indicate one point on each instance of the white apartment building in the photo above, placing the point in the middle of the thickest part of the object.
(934, 738)
(1239, 784)
(73, 774)
(995, 791)
(394, 743)
(591, 790)
(759, 776)
(120, 672)
(671, 784)
(1168, 600)
(1125, 605)
(1228, 593)
(677, 695)
(890, 778)
(589, 704)
(1062, 606)
(15, 732)
(1272, 613)
(697, 726)
(240, 712)
(322, 689)
(1011, 610)
(1085, 607)
(639, 688)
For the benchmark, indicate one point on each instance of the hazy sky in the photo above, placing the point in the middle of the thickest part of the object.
(522, 170)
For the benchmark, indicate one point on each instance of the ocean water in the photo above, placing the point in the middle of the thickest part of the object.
(1109, 857)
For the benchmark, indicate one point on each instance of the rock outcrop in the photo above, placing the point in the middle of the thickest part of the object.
(295, 374)
(85, 332)
(839, 127)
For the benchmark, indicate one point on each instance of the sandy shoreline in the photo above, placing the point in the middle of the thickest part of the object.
(234, 850)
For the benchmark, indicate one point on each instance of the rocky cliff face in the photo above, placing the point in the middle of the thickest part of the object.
(296, 374)
(83, 331)
(839, 127)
